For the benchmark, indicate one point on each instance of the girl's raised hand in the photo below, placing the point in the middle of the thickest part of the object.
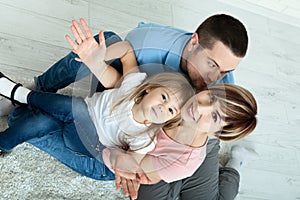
(85, 46)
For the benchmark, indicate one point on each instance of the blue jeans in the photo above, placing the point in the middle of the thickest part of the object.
(25, 119)
(78, 128)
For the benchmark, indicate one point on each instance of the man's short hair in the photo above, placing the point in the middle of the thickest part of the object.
(227, 29)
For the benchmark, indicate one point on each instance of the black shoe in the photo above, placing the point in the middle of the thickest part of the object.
(4, 153)
(12, 93)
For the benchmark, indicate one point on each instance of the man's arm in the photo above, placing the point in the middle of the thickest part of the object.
(95, 54)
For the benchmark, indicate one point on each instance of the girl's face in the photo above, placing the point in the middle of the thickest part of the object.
(159, 105)
(202, 113)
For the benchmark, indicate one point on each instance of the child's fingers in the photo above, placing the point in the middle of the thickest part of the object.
(135, 188)
(79, 31)
(117, 181)
(125, 187)
(73, 44)
(78, 59)
(86, 28)
(102, 39)
(76, 35)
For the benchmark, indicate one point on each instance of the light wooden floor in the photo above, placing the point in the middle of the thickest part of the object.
(32, 38)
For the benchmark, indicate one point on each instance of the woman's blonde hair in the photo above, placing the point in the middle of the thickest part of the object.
(239, 108)
(172, 81)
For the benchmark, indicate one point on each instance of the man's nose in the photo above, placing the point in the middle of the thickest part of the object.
(213, 76)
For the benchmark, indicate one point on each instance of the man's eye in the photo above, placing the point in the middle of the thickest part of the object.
(215, 117)
(164, 97)
(212, 65)
(171, 111)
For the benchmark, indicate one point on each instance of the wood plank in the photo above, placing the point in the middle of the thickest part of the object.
(150, 11)
(33, 26)
(65, 10)
(28, 54)
(257, 184)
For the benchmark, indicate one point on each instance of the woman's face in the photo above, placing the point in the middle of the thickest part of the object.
(202, 113)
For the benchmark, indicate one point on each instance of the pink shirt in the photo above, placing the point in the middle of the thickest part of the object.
(173, 161)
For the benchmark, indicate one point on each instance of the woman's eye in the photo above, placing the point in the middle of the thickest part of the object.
(163, 97)
(215, 117)
(171, 111)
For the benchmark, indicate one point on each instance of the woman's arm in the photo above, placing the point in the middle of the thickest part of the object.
(94, 54)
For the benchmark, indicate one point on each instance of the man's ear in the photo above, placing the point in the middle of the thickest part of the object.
(148, 90)
(194, 42)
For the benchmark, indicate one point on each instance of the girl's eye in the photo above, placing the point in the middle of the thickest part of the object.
(171, 111)
(215, 117)
(163, 97)
(212, 99)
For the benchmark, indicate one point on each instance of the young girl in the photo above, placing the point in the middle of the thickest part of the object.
(128, 115)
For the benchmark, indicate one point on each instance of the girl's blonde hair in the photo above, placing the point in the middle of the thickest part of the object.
(239, 108)
(175, 82)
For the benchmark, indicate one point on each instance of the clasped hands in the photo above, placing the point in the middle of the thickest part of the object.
(128, 173)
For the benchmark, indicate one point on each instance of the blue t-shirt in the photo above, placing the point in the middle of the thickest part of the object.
(161, 45)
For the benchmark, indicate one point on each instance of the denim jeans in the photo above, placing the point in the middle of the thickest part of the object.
(78, 128)
(26, 119)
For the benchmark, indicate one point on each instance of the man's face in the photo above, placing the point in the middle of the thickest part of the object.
(205, 66)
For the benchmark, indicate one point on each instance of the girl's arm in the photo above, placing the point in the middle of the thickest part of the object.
(94, 54)
(132, 165)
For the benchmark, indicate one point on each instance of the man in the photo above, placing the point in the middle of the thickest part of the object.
(208, 55)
